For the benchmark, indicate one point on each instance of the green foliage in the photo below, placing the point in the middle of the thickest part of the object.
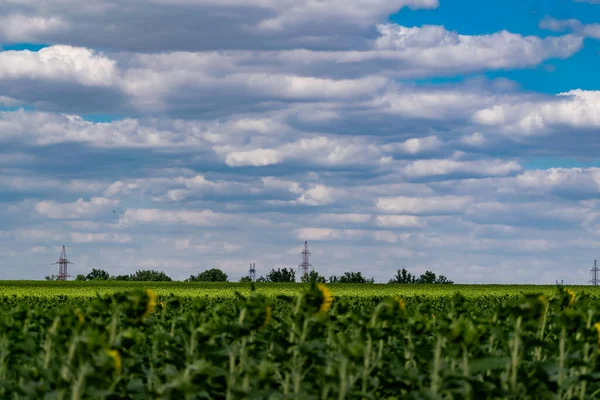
(429, 278)
(245, 279)
(80, 277)
(354, 277)
(210, 275)
(150, 276)
(97, 275)
(313, 276)
(405, 277)
(281, 275)
(134, 345)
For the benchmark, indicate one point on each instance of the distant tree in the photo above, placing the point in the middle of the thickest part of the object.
(210, 275)
(51, 277)
(80, 277)
(261, 279)
(334, 279)
(281, 275)
(245, 279)
(122, 277)
(97, 275)
(354, 277)
(443, 280)
(313, 276)
(427, 278)
(150, 276)
(403, 276)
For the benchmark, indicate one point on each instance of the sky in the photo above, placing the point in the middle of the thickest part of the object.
(182, 135)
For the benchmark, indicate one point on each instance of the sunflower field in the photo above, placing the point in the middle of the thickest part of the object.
(308, 345)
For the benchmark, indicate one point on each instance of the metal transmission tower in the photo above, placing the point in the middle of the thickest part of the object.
(62, 262)
(595, 280)
(253, 271)
(305, 259)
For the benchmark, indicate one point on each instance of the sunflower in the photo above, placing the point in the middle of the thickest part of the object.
(267, 317)
(80, 316)
(114, 354)
(151, 302)
(327, 298)
(597, 326)
(572, 294)
(401, 303)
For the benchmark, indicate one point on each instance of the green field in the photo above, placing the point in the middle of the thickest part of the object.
(297, 341)
(227, 290)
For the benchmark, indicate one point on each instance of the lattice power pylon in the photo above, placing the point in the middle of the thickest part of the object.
(595, 279)
(305, 265)
(252, 271)
(62, 262)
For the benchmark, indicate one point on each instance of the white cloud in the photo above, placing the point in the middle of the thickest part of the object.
(475, 139)
(424, 205)
(88, 237)
(416, 145)
(573, 25)
(254, 158)
(576, 108)
(433, 47)
(22, 28)
(185, 217)
(60, 62)
(400, 221)
(436, 167)
(317, 196)
(77, 210)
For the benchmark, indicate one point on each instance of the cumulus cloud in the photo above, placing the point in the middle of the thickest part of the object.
(436, 167)
(423, 205)
(572, 25)
(77, 210)
(575, 108)
(24, 28)
(64, 63)
(302, 120)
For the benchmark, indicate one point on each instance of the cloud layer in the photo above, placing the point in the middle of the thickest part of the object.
(233, 131)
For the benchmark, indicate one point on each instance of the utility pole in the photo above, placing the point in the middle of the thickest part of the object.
(62, 262)
(305, 265)
(252, 272)
(595, 280)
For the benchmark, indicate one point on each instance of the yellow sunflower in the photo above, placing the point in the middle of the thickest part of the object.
(114, 354)
(401, 302)
(80, 316)
(572, 294)
(327, 298)
(267, 317)
(151, 302)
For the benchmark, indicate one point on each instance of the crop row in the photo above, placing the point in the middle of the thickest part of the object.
(228, 289)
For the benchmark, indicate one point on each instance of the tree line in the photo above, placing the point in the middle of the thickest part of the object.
(275, 275)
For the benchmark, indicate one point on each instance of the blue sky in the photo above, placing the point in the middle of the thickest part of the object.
(460, 137)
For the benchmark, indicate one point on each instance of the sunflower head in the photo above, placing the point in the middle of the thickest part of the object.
(268, 314)
(401, 302)
(327, 298)
(571, 296)
(151, 302)
(114, 354)
(80, 316)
